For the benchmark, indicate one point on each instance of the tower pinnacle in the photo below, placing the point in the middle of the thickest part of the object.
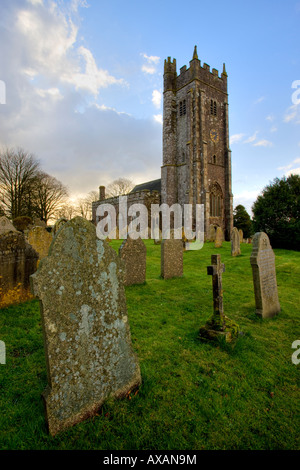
(195, 55)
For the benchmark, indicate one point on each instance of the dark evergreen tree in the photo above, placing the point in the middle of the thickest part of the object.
(277, 212)
(242, 220)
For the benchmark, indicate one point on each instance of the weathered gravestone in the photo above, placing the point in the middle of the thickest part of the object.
(6, 226)
(219, 238)
(241, 234)
(219, 325)
(40, 240)
(171, 258)
(58, 224)
(211, 233)
(264, 276)
(235, 242)
(86, 331)
(133, 253)
(18, 260)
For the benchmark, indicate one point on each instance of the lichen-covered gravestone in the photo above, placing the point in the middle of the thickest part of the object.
(241, 234)
(171, 258)
(264, 276)
(40, 240)
(219, 238)
(235, 242)
(6, 226)
(87, 337)
(211, 233)
(18, 260)
(133, 253)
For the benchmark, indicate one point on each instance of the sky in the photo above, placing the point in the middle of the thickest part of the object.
(81, 84)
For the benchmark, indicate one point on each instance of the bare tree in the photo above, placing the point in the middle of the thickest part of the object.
(119, 187)
(49, 195)
(18, 170)
(85, 204)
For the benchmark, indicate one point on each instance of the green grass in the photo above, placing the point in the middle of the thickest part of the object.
(194, 395)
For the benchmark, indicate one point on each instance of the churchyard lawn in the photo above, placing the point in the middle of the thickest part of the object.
(194, 395)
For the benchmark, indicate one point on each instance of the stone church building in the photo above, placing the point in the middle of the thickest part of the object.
(196, 166)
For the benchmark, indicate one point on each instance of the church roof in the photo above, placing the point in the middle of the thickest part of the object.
(154, 185)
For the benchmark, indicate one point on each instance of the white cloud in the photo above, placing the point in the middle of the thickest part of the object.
(150, 67)
(292, 114)
(158, 118)
(259, 100)
(251, 139)
(263, 143)
(288, 169)
(53, 93)
(51, 110)
(270, 118)
(294, 171)
(273, 129)
(92, 79)
(151, 59)
(156, 98)
(246, 198)
(236, 138)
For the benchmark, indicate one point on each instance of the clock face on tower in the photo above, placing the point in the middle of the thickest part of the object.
(214, 135)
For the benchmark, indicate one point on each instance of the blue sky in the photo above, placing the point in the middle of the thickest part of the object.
(84, 84)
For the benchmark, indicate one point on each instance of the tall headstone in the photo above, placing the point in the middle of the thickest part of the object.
(241, 234)
(133, 253)
(264, 276)
(211, 233)
(87, 337)
(219, 238)
(235, 242)
(40, 240)
(6, 226)
(171, 258)
(219, 325)
(18, 260)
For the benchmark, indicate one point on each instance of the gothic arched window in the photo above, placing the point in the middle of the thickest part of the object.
(216, 200)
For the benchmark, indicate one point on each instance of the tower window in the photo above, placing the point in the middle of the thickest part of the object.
(216, 200)
(213, 107)
(182, 108)
(214, 159)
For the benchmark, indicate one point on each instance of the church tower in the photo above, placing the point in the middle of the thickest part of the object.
(196, 154)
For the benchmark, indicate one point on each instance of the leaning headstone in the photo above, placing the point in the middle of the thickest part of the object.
(171, 258)
(219, 325)
(211, 233)
(241, 234)
(219, 237)
(18, 260)
(133, 253)
(86, 331)
(264, 276)
(6, 226)
(235, 242)
(40, 239)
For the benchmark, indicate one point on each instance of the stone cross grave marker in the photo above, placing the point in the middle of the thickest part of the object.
(171, 258)
(87, 338)
(133, 253)
(235, 242)
(219, 324)
(264, 276)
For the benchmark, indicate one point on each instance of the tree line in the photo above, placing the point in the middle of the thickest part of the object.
(27, 191)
